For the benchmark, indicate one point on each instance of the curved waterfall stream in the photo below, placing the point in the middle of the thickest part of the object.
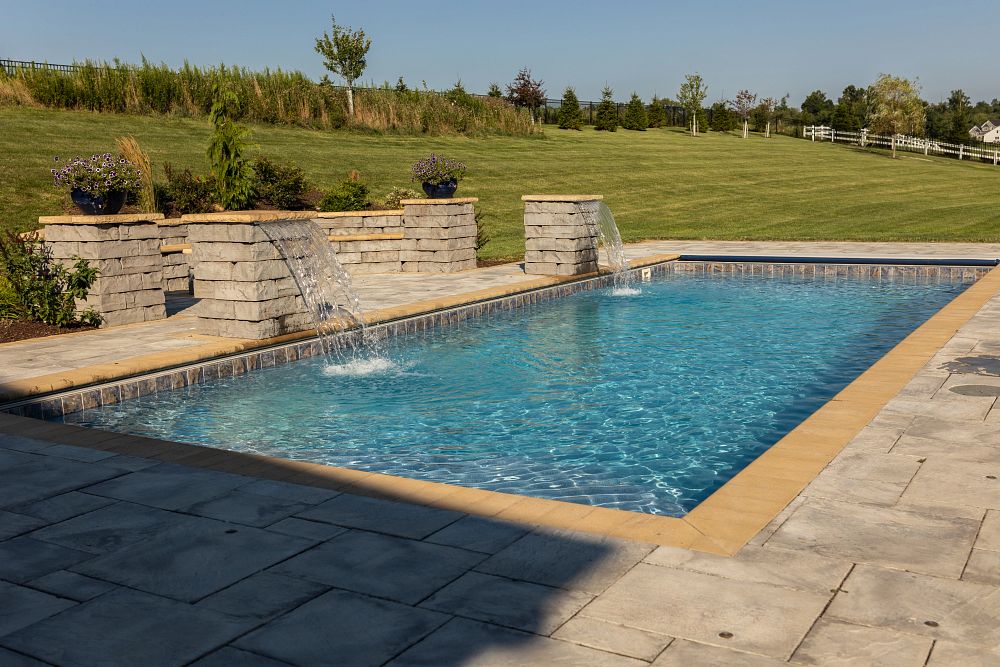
(603, 223)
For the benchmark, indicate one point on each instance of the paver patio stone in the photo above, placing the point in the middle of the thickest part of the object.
(949, 654)
(23, 559)
(683, 653)
(889, 537)
(567, 559)
(133, 627)
(974, 484)
(478, 534)
(263, 595)
(12, 525)
(779, 567)
(312, 530)
(831, 486)
(474, 644)
(249, 509)
(71, 585)
(381, 565)
(959, 611)
(514, 604)
(25, 478)
(63, 506)
(381, 516)
(983, 566)
(943, 407)
(169, 486)
(762, 618)
(954, 430)
(77, 453)
(310, 495)
(839, 644)
(613, 638)
(112, 527)
(229, 656)
(11, 659)
(989, 532)
(194, 560)
(354, 629)
(22, 444)
(21, 606)
(891, 468)
(948, 449)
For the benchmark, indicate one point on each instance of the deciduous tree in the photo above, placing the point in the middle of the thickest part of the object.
(526, 92)
(766, 108)
(896, 107)
(691, 96)
(743, 105)
(345, 54)
(817, 109)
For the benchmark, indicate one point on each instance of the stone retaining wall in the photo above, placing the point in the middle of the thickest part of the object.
(560, 235)
(176, 264)
(125, 249)
(439, 235)
(365, 241)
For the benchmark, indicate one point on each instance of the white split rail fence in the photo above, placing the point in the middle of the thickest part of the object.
(903, 142)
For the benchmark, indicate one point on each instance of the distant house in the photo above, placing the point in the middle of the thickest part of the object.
(988, 132)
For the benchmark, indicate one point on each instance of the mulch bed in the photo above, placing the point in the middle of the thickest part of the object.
(11, 330)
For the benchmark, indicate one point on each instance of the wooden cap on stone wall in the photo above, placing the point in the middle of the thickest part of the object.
(117, 219)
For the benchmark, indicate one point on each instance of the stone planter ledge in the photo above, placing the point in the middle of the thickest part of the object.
(562, 198)
(117, 219)
(454, 200)
(247, 217)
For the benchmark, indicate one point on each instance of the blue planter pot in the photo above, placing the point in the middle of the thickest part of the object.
(440, 191)
(98, 205)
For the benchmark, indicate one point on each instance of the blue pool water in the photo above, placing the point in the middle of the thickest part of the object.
(647, 402)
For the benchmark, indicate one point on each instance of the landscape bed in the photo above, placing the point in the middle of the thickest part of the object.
(646, 402)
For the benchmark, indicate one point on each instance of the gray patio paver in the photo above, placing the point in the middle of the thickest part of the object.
(878, 535)
(683, 653)
(26, 478)
(64, 506)
(381, 565)
(382, 516)
(614, 638)
(989, 532)
(23, 559)
(965, 483)
(191, 561)
(12, 524)
(21, 606)
(953, 451)
(169, 486)
(762, 618)
(478, 534)
(839, 644)
(779, 567)
(959, 611)
(950, 654)
(263, 595)
(312, 530)
(567, 559)
(345, 627)
(71, 585)
(513, 604)
(126, 628)
(249, 509)
(228, 656)
(11, 659)
(309, 495)
(474, 644)
(983, 567)
(832, 486)
(112, 527)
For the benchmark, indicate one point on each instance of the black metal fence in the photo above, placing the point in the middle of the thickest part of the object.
(11, 66)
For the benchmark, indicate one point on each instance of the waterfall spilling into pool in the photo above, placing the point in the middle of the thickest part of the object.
(329, 296)
(603, 222)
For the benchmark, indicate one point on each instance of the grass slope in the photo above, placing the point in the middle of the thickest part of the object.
(659, 184)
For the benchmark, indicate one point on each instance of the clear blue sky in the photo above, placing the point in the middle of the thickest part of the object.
(772, 47)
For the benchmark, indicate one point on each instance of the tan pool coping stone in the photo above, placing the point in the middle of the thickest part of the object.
(116, 219)
(433, 202)
(244, 217)
(562, 198)
(721, 524)
(356, 214)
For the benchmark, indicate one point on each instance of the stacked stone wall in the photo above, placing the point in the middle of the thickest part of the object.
(560, 234)
(439, 235)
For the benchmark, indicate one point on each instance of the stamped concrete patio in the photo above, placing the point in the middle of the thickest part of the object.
(891, 556)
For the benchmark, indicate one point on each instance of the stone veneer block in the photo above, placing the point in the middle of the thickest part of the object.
(125, 250)
(560, 234)
(439, 235)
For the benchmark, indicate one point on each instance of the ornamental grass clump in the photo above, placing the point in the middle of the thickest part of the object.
(98, 175)
(438, 170)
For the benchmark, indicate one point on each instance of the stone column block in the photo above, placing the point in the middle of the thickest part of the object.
(560, 237)
(439, 235)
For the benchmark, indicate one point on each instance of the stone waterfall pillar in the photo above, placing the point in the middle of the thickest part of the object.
(560, 234)
(125, 249)
(439, 235)
(244, 284)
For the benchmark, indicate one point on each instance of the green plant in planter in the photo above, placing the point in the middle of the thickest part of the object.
(38, 288)
(100, 183)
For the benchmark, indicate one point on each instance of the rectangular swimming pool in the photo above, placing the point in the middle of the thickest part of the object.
(648, 402)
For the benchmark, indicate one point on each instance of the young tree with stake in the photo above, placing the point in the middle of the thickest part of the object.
(691, 96)
(743, 105)
(344, 53)
(767, 106)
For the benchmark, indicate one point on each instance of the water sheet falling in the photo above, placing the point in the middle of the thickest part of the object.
(603, 222)
(328, 294)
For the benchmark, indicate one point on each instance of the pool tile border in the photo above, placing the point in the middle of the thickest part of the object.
(721, 524)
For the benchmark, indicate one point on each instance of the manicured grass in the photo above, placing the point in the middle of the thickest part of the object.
(659, 184)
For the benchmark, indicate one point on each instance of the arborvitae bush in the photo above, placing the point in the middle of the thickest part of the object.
(657, 115)
(606, 117)
(282, 186)
(570, 114)
(635, 115)
(723, 119)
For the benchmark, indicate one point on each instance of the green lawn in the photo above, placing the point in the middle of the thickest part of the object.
(659, 184)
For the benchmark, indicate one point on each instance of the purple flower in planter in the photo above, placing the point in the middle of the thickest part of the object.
(437, 170)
